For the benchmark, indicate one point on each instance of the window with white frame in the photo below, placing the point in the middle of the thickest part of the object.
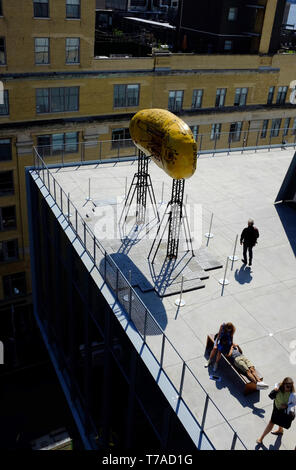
(175, 100)
(7, 218)
(194, 130)
(232, 14)
(235, 131)
(240, 98)
(286, 126)
(215, 131)
(41, 51)
(72, 50)
(4, 106)
(228, 45)
(41, 8)
(57, 100)
(270, 95)
(53, 144)
(275, 127)
(281, 96)
(121, 138)
(220, 97)
(197, 99)
(5, 150)
(73, 9)
(126, 96)
(264, 129)
(2, 51)
(8, 250)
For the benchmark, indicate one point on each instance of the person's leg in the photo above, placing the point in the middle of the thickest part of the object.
(218, 357)
(244, 253)
(265, 432)
(250, 255)
(254, 373)
(251, 376)
(212, 354)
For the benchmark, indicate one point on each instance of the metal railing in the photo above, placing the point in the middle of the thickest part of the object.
(184, 381)
(207, 143)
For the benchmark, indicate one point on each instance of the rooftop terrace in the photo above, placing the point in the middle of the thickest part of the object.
(260, 301)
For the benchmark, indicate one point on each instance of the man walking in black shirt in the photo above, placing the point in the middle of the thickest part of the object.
(249, 239)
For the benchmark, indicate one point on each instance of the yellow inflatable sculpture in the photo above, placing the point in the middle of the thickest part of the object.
(167, 139)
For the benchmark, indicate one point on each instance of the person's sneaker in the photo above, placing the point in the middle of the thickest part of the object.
(244, 261)
(215, 367)
(207, 364)
(261, 386)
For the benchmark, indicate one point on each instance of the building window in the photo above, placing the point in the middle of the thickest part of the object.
(264, 128)
(220, 97)
(194, 130)
(57, 143)
(281, 96)
(197, 99)
(41, 50)
(6, 183)
(41, 9)
(8, 250)
(5, 150)
(14, 285)
(126, 96)
(275, 127)
(121, 138)
(232, 14)
(2, 52)
(4, 106)
(294, 127)
(286, 126)
(270, 95)
(57, 100)
(175, 100)
(235, 131)
(240, 98)
(228, 45)
(215, 131)
(72, 50)
(1, 11)
(73, 8)
(7, 218)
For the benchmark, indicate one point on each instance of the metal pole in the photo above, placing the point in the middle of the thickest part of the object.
(179, 301)
(209, 234)
(162, 350)
(145, 325)
(234, 257)
(125, 191)
(233, 441)
(88, 198)
(162, 190)
(182, 379)
(95, 250)
(224, 281)
(130, 295)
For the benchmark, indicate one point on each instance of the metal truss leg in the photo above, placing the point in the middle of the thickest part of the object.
(142, 184)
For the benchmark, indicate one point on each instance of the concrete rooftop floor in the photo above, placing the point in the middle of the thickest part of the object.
(260, 302)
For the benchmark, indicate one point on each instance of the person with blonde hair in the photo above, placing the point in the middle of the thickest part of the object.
(222, 344)
(284, 405)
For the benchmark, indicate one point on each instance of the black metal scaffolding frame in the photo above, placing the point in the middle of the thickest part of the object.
(176, 218)
(141, 185)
